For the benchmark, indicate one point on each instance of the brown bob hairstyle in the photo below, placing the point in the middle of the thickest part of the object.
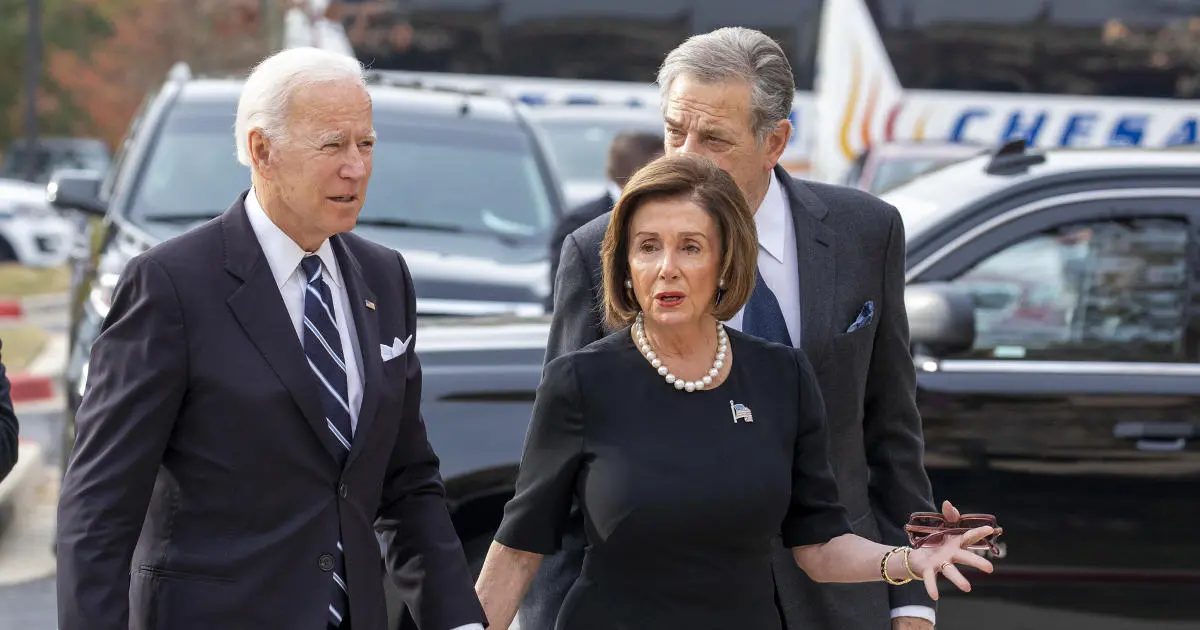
(700, 180)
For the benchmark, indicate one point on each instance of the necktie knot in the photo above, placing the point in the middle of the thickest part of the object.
(312, 268)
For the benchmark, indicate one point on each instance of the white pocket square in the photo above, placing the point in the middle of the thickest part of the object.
(396, 349)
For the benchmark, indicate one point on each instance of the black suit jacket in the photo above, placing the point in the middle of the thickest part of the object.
(851, 249)
(202, 420)
(8, 424)
(570, 222)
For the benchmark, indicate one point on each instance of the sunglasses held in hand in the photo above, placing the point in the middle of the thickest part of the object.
(931, 528)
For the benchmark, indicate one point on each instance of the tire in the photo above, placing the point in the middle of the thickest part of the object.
(7, 253)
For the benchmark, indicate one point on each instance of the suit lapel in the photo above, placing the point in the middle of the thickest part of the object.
(366, 324)
(259, 308)
(815, 247)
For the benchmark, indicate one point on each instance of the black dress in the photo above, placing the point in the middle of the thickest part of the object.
(680, 498)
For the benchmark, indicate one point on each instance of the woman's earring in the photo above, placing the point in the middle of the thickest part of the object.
(721, 284)
(628, 283)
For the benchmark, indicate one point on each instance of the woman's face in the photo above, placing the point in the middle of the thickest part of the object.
(674, 260)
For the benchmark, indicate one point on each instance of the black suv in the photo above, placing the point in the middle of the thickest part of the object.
(1054, 304)
(461, 186)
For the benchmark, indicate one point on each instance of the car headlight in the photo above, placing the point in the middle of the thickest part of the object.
(108, 270)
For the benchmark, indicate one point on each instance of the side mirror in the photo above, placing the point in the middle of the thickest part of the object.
(71, 189)
(941, 317)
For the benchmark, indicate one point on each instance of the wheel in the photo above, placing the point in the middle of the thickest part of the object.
(7, 253)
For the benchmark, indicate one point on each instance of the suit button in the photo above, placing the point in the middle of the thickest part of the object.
(342, 491)
(325, 562)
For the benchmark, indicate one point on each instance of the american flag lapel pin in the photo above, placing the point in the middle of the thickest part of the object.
(370, 304)
(741, 412)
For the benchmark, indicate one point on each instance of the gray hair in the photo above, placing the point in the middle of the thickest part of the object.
(268, 91)
(739, 54)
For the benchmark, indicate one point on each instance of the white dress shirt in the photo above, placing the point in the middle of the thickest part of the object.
(778, 265)
(284, 256)
(777, 258)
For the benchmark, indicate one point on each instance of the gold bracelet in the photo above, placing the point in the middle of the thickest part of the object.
(908, 567)
(883, 569)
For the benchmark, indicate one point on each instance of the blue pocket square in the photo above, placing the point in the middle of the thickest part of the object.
(864, 317)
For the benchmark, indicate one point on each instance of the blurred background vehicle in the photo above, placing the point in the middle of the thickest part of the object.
(51, 154)
(885, 166)
(579, 137)
(31, 232)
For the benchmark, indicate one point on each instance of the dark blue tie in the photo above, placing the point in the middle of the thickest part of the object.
(323, 346)
(762, 316)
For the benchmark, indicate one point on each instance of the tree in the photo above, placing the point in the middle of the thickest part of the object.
(101, 57)
(66, 25)
(148, 37)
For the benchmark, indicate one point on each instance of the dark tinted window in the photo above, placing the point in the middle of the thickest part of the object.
(19, 163)
(623, 40)
(420, 167)
(1103, 291)
(1085, 47)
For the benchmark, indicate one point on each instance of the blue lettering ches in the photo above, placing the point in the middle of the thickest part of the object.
(1078, 127)
(1185, 133)
(960, 126)
(1017, 128)
(1128, 131)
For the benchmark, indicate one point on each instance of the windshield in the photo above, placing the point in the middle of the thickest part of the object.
(48, 159)
(892, 173)
(580, 147)
(477, 180)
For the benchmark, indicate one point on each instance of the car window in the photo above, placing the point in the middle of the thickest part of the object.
(580, 148)
(890, 173)
(418, 175)
(1113, 290)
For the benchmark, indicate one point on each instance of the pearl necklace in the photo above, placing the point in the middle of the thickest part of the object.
(639, 333)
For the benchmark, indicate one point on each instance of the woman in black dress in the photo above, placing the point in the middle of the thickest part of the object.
(687, 445)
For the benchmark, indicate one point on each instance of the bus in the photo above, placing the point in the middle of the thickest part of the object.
(1057, 72)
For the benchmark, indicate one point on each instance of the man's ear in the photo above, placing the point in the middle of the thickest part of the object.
(777, 141)
(260, 153)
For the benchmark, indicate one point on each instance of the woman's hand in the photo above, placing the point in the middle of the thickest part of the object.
(928, 562)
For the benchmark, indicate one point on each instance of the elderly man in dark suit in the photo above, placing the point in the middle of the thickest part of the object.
(831, 281)
(8, 424)
(252, 414)
(628, 152)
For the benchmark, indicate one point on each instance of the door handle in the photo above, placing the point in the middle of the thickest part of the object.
(1157, 436)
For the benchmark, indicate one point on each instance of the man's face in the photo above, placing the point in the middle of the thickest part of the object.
(714, 120)
(321, 168)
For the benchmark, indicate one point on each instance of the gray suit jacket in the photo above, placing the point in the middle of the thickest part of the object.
(850, 250)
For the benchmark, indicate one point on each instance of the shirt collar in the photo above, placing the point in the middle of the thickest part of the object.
(283, 254)
(771, 220)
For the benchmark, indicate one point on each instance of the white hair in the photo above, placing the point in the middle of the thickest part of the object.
(268, 91)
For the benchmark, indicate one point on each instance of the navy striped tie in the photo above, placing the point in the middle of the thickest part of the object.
(323, 345)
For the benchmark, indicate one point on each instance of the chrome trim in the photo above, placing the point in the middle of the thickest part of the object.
(466, 337)
(970, 366)
(437, 306)
(1042, 204)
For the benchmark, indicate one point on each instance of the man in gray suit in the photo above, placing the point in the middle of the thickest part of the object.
(831, 265)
